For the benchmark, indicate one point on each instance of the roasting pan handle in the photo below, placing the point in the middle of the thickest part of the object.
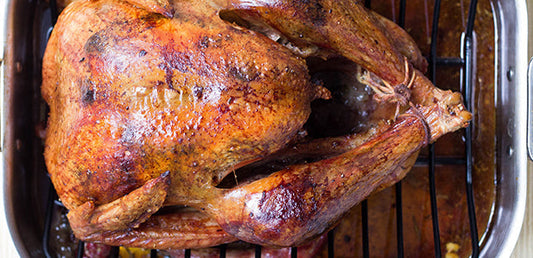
(530, 109)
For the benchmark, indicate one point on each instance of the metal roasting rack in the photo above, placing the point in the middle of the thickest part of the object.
(464, 62)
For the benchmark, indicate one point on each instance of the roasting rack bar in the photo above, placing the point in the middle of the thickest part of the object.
(468, 76)
(398, 186)
(431, 164)
(465, 62)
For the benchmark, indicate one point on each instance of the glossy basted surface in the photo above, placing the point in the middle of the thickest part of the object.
(170, 106)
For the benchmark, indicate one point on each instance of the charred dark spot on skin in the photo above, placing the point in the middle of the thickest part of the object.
(314, 11)
(96, 43)
(152, 20)
(88, 97)
(88, 92)
(206, 42)
(198, 92)
(286, 203)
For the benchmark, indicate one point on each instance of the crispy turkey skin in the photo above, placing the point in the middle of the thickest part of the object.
(154, 103)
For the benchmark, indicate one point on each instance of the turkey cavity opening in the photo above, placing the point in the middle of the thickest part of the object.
(346, 113)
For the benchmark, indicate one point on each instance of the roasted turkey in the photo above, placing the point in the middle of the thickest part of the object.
(187, 124)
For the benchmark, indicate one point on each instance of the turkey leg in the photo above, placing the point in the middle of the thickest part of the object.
(303, 201)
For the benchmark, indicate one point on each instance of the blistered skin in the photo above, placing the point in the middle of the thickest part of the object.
(153, 103)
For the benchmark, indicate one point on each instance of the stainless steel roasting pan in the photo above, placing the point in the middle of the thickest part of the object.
(24, 184)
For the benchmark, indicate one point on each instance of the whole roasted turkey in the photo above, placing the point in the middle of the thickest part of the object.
(192, 123)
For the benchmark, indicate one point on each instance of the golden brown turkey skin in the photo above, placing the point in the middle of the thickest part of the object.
(141, 94)
(153, 103)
